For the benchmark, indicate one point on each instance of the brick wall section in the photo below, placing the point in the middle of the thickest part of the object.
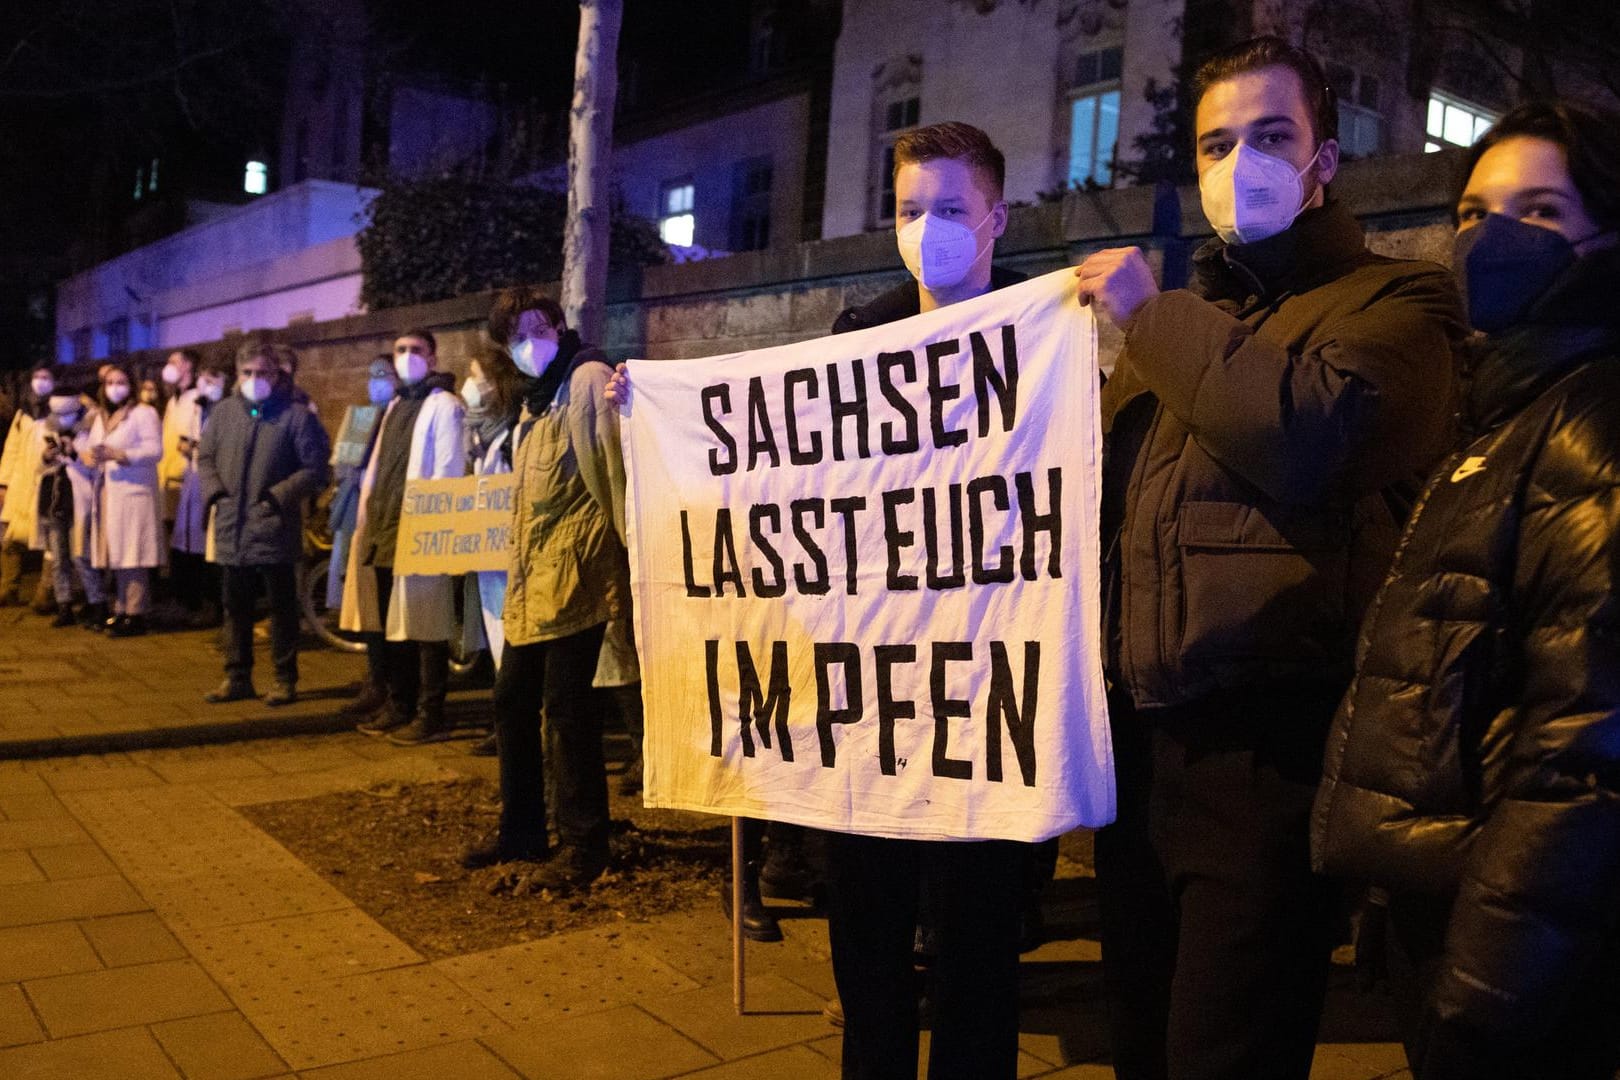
(792, 293)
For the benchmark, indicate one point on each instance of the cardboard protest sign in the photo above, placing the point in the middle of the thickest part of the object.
(866, 575)
(354, 435)
(455, 526)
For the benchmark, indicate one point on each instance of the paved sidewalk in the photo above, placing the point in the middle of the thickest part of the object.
(74, 691)
(149, 930)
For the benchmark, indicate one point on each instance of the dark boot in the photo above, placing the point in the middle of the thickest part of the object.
(429, 724)
(787, 873)
(373, 696)
(500, 849)
(758, 924)
(92, 616)
(572, 866)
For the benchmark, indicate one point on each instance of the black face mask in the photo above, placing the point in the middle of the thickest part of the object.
(1505, 265)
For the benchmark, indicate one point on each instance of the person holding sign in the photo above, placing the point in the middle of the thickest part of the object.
(493, 391)
(568, 576)
(261, 455)
(420, 439)
(949, 212)
(1267, 427)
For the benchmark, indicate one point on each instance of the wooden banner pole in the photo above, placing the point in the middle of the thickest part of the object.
(737, 988)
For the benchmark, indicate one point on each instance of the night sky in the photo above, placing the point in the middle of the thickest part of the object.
(90, 89)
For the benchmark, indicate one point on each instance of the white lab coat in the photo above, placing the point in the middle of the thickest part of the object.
(20, 467)
(129, 519)
(421, 607)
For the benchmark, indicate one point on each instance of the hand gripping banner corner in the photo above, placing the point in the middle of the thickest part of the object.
(866, 571)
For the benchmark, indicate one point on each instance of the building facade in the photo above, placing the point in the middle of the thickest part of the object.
(1087, 93)
(286, 258)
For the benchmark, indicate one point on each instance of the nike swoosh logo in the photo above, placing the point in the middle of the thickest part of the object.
(1468, 468)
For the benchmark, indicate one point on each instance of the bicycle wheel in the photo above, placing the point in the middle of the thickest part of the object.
(322, 620)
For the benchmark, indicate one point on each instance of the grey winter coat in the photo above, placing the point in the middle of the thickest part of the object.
(258, 463)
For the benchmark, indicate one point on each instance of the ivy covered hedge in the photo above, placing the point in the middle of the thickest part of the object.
(433, 239)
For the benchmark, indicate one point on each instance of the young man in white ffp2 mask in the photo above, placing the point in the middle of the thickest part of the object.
(1263, 424)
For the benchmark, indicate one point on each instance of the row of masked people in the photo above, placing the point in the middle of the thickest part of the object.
(555, 618)
(1361, 535)
(86, 482)
(61, 404)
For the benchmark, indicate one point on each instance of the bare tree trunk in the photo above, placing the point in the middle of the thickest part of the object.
(590, 158)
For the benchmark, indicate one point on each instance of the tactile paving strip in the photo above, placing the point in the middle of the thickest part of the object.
(265, 963)
(369, 1015)
(197, 862)
(562, 976)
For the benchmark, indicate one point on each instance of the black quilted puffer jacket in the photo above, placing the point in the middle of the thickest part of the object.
(1477, 752)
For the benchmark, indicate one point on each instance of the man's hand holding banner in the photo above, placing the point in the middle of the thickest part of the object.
(866, 575)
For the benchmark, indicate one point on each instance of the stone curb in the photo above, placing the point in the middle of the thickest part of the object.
(168, 738)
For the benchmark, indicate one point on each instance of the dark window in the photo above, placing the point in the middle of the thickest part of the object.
(902, 114)
(751, 204)
(1102, 65)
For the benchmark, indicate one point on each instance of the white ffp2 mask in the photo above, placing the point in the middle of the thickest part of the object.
(534, 355)
(939, 252)
(1249, 195)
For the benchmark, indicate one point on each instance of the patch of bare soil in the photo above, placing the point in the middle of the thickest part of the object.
(394, 850)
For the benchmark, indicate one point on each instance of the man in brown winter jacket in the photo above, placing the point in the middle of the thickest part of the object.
(1264, 427)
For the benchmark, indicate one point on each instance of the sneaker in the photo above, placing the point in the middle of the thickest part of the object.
(283, 694)
(420, 731)
(64, 617)
(488, 746)
(381, 724)
(45, 606)
(230, 690)
(494, 850)
(572, 867)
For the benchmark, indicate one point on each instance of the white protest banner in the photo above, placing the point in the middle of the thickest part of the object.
(455, 526)
(866, 575)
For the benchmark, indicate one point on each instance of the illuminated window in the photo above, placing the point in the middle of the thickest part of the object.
(140, 182)
(256, 181)
(1094, 117)
(1455, 122)
(676, 223)
(151, 176)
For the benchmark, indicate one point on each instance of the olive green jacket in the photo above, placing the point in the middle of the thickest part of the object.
(568, 569)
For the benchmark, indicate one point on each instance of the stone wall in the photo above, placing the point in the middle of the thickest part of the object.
(793, 292)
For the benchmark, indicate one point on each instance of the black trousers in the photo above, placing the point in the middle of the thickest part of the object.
(417, 672)
(1216, 936)
(556, 676)
(975, 890)
(193, 580)
(240, 593)
(1582, 1044)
